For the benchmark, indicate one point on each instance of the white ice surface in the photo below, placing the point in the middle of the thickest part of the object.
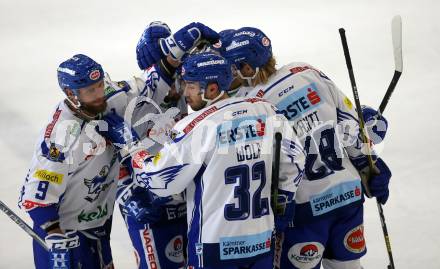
(35, 36)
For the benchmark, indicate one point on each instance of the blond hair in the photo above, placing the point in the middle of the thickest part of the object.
(265, 72)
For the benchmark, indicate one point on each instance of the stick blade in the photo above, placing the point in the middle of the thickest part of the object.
(396, 32)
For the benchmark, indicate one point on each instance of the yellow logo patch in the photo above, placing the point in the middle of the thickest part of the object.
(49, 176)
(156, 158)
(348, 103)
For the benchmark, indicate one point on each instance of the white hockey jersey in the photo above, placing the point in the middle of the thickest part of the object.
(75, 168)
(153, 123)
(222, 156)
(326, 122)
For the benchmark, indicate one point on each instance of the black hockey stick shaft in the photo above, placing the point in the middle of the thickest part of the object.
(389, 91)
(361, 124)
(276, 171)
(373, 169)
(20, 222)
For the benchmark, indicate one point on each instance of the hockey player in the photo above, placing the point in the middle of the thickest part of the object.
(70, 189)
(222, 156)
(157, 232)
(329, 211)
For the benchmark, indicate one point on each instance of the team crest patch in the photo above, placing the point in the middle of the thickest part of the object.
(265, 41)
(95, 75)
(354, 240)
(54, 152)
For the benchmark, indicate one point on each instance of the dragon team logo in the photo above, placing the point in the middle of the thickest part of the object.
(97, 184)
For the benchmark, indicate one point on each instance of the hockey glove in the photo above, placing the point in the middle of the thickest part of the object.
(120, 134)
(375, 124)
(148, 51)
(284, 211)
(143, 206)
(187, 38)
(61, 248)
(379, 184)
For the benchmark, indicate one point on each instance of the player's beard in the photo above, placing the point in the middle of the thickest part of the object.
(93, 109)
(195, 105)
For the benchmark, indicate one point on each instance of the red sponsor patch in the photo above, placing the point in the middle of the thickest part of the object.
(138, 159)
(309, 250)
(198, 119)
(123, 173)
(268, 243)
(253, 100)
(299, 69)
(357, 191)
(149, 248)
(313, 96)
(260, 94)
(95, 74)
(261, 126)
(354, 240)
(28, 205)
(49, 127)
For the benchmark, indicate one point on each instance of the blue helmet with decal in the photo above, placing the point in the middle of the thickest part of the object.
(206, 68)
(225, 39)
(248, 45)
(78, 72)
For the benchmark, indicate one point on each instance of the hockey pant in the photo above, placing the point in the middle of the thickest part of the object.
(93, 253)
(339, 240)
(159, 246)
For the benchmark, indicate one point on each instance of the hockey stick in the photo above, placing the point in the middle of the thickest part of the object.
(373, 169)
(23, 225)
(396, 30)
(276, 172)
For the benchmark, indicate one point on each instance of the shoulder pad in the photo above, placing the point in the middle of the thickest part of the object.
(60, 134)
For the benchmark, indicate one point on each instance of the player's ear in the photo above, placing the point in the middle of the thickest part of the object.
(71, 95)
(212, 90)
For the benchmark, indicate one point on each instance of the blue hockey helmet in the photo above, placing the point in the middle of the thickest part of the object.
(78, 72)
(248, 45)
(206, 68)
(225, 39)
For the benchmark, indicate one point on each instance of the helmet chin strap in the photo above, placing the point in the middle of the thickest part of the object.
(210, 101)
(79, 111)
(248, 79)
